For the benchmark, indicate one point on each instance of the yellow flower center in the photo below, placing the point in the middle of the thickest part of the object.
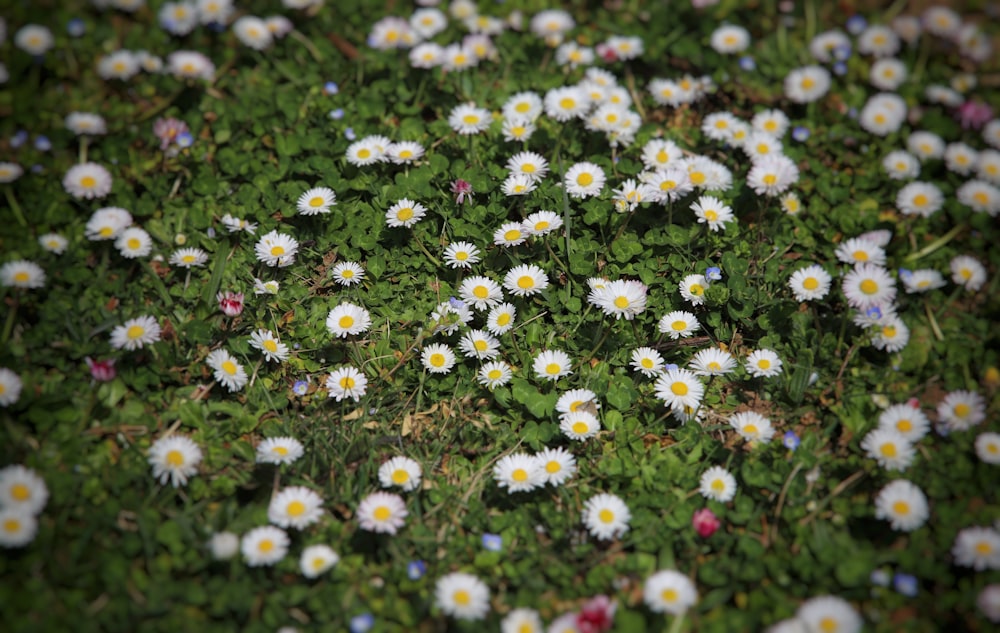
(770, 179)
(764, 363)
(763, 148)
(980, 197)
(406, 154)
(751, 429)
(280, 450)
(135, 331)
(585, 179)
(807, 83)
(718, 485)
(580, 428)
(860, 256)
(480, 345)
(679, 388)
(229, 367)
(553, 467)
(525, 282)
(522, 107)
(295, 508)
(828, 625)
(364, 152)
(901, 507)
(662, 156)
(606, 516)
(566, 103)
(888, 450)
(347, 382)
(404, 214)
(382, 513)
(961, 410)
(920, 200)
(346, 321)
(880, 119)
(461, 597)
(698, 177)
(270, 345)
(481, 292)
(188, 259)
(889, 331)
(519, 475)
(494, 374)
(400, 476)
(277, 251)
(647, 363)
(669, 595)
(21, 276)
(553, 368)
(504, 318)
(678, 325)
(437, 360)
(470, 119)
(869, 287)
(347, 273)
(118, 67)
(20, 492)
(714, 366)
(12, 526)
(984, 548)
(265, 546)
(106, 231)
(175, 458)
(696, 289)
(133, 243)
(621, 303)
(512, 235)
(904, 426)
(461, 256)
(541, 226)
(711, 216)
(770, 125)
(316, 201)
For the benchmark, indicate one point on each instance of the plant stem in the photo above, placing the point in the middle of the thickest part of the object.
(14, 206)
(936, 244)
(676, 624)
(8, 325)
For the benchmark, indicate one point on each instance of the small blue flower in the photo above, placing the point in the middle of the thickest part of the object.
(905, 584)
(337, 114)
(841, 53)
(856, 23)
(349, 134)
(184, 139)
(76, 27)
(42, 143)
(852, 113)
(416, 569)
(492, 542)
(362, 623)
(296, 346)
(331, 88)
(905, 273)
(748, 64)
(456, 303)
(37, 169)
(800, 134)
(20, 138)
(211, 232)
(713, 273)
(791, 440)
(840, 69)
(874, 312)
(669, 367)
(880, 578)
(300, 387)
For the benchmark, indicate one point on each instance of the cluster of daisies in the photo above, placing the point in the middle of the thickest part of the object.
(23, 495)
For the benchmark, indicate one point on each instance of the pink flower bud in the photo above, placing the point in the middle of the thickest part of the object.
(101, 370)
(231, 303)
(461, 188)
(705, 522)
(597, 615)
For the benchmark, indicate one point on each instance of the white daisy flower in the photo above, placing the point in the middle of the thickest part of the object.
(518, 472)
(190, 65)
(977, 547)
(858, 250)
(606, 516)
(988, 447)
(806, 84)
(134, 242)
(763, 363)
(868, 285)
(627, 197)
(525, 280)
(135, 333)
(878, 40)
(17, 527)
(253, 32)
(584, 180)
(692, 288)
(729, 39)
(174, 459)
(988, 166)
(348, 273)
(517, 185)
(647, 361)
(980, 196)
(903, 504)
(363, 152)
(510, 234)
(566, 102)
(712, 361)
(348, 319)
(517, 129)
(265, 545)
(87, 180)
(214, 11)
(317, 559)
(622, 298)
(960, 158)
(759, 145)
(669, 591)
(961, 410)
(773, 122)
(557, 465)
(552, 364)
(717, 483)
(382, 512)
(10, 387)
(772, 175)
(226, 370)
(501, 319)
(188, 257)
(346, 382)
(829, 613)
(479, 344)
(22, 489)
(261, 287)
(658, 153)
(400, 471)
(235, 225)
(679, 388)
(901, 165)
(678, 324)
(461, 255)
(892, 335)
(33, 39)
(966, 271)
(907, 420)
(542, 222)
(719, 126)
(824, 44)
(438, 358)
(121, 64)
(669, 184)
(404, 152)
(889, 448)
(919, 198)
(455, 57)
(268, 343)
(925, 145)
(522, 620)
(462, 596)
(468, 119)
(790, 203)
(279, 450)
(529, 164)
(405, 213)
(579, 425)
(296, 506)
(22, 274)
(810, 283)
(525, 105)
(224, 545)
(316, 201)
(88, 123)
(494, 374)
(577, 400)
(276, 249)
(752, 426)
(922, 280)
(9, 172)
(713, 212)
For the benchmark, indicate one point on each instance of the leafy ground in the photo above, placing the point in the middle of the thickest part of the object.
(116, 549)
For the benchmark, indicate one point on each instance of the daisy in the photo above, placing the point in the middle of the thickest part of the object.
(522, 621)
(712, 211)
(190, 65)
(763, 363)
(679, 388)
(824, 44)
(759, 145)
(461, 255)
(494, 374)
(577, 400)
(438, 358)
(678, 324)
(669, 184)
(88, 123)
(557, 465)
(479, 344)
(462, 596)
(135, 333)
(627, 197)
(659, 153)
(919, 198)
(501, 319)
(829, 613)
(606, 516)
(276, 249)
(901, 165)
(889, 448)
(730, 39)
(883, 114)
(510, 234)
(279, 450)
(22, 489)
(807, 84)
(348, 319)
(188, 257)
(9, 172)
(382, 512)
(988, 447)
(346, 382)
(405, 213)
(518, 472)
(960, 158)
(573, 55)
(879, 41)
(542, 222)
(214, 11)
(552, 364)
(892, 335)
(10, 387)
(624, 47)
(363, 152)
(966, 271)
(528, 164)
(712, 361)
(692, 288)
(772, 175)
(525, 280)
(566, 102)
(925, 145)
(455, 57)
(980, 196)
(134, 242)
(226, 370)
(517, 185)
(121, 64)
(178, 18)
(790, 203)
(580, 425)
(261, 287)
(468, 119)
(317, 559)
(622, 298)
(810, 283)
(752, 426)
(647, 361)
(717, 483)
(174, 458)
(235, 225)
(400, 471)
(449, 316)
(405, 152)
(988, 166)
(907, 420)
(961, 410)
(773, 122)
(87, 180)
(253, 32)
(265, 545)
(268, 343)
(669, 591)
(584, 180)
(525, 105)
(296, 506)
(868, 285)
(517, 129)
(977, 547)
(858, 251)
(33, 39)
(902, 504)
(22, 274)
(316, 200)
(17, 527)
(348, 273)
(922, 280)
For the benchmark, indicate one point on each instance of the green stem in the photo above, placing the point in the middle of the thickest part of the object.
(810, 21)
(934, 324)
(420, 389)
(590, 354)
(14, 206)
(676, 624)
(84, 144)
(936, 244)
(305, 41)
(8, 325)
(420, 244)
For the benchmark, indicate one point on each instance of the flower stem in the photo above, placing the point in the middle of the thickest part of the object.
(936, 244)
(676, 624)
(14, 206)
(8, 325)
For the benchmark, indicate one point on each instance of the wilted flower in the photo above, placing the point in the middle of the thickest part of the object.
(231, 303)
(596, 615)
(101, 370)
(168, 130)
(461, 189)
